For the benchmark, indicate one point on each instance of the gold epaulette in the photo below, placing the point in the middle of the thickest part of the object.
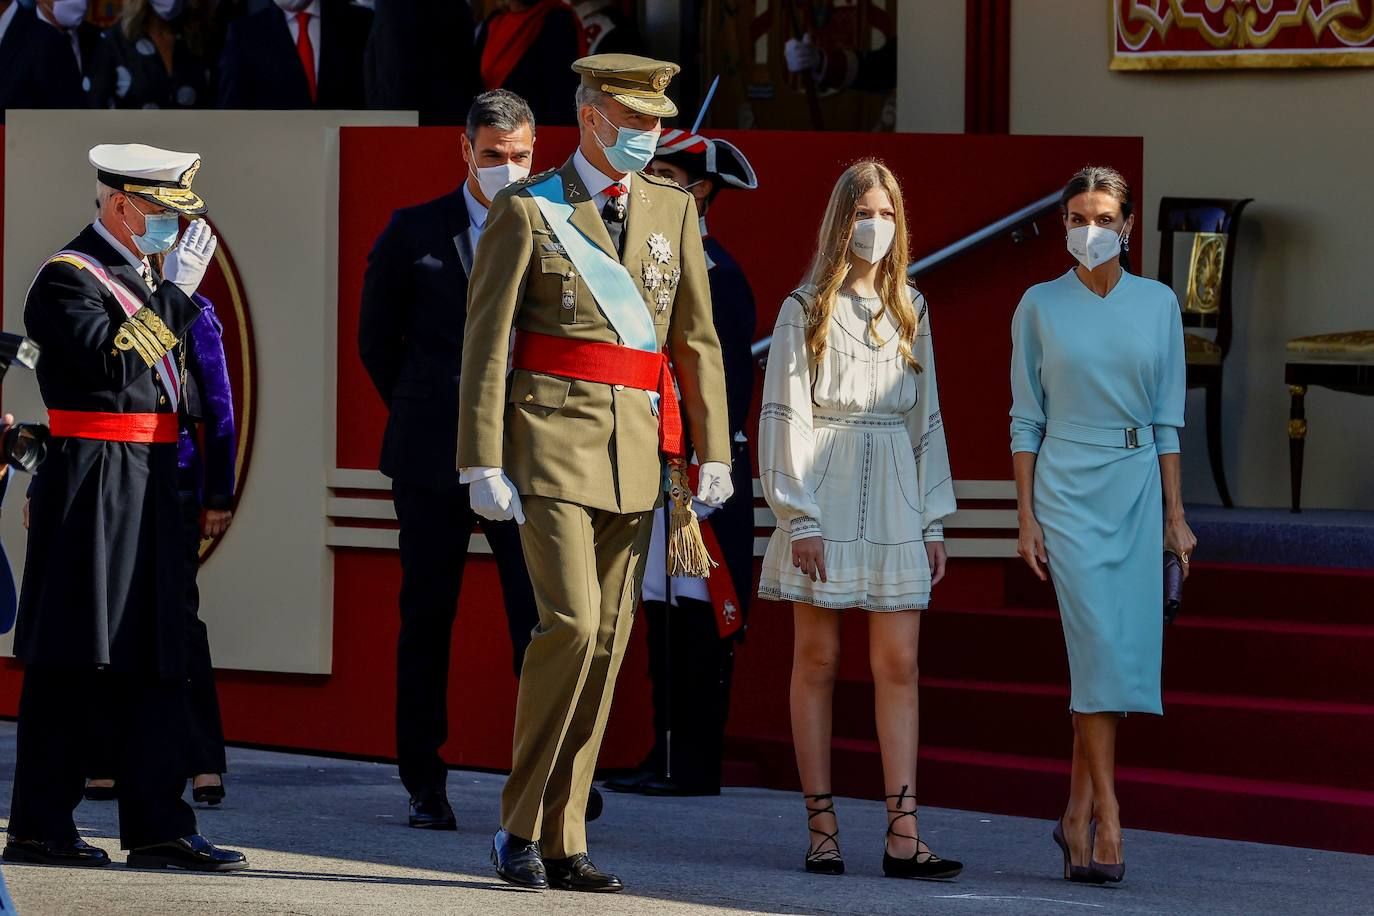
(66, 259)
(147, 335)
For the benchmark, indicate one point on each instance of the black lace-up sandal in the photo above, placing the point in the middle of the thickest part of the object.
(924, 865)
(823, 858)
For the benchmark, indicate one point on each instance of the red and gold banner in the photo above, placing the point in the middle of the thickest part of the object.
(1221, 34)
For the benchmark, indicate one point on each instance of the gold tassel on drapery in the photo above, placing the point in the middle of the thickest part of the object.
(687, 554)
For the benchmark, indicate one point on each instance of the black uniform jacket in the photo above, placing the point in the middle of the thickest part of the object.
(103, 582)
(732, 309)
(259, 67)
(410, 336)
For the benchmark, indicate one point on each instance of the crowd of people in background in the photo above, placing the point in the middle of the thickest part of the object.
(431, 56)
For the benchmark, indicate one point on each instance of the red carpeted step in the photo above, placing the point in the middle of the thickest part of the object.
(1321, 743)
(1281, 659)
(1334, 596)
(1288, 813)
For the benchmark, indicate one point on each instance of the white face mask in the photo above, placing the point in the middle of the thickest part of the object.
(293, 6)
(167, 10)
(494, 178)
(1094, 245)
(69, 13)
(872, 238)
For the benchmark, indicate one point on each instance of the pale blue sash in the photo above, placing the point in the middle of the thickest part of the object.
(610, 283)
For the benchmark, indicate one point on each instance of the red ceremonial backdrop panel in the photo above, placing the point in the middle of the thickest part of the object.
(953, 185)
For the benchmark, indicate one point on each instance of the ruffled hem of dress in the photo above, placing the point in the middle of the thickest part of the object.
(840, 603)
(859, 575)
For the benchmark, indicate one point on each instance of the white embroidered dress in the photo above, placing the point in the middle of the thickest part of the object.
(853, 449)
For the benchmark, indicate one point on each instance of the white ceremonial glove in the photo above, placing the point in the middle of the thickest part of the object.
(801, 55)
(186, 264)
(494, 498)
(713, 485)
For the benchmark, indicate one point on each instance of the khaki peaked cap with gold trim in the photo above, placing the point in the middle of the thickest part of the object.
(159, 176)
(636, 82)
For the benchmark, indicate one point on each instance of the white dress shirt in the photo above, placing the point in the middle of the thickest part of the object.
(477, 216)
(312, 30)
(598, 181)
(7, 17)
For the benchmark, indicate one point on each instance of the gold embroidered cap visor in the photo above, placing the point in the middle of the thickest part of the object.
(636, 82)
(161, 177)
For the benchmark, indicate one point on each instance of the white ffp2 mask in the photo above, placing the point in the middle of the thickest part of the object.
(1093, 245)
(495, 178)
(872, 238)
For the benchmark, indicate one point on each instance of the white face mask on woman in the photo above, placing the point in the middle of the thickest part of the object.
(167, 10)
(872, 238)
(1094, 245)
(69, 13)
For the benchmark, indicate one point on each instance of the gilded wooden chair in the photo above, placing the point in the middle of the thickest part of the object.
(1214, 225)
(1341, 362)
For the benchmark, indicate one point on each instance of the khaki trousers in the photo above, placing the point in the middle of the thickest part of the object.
(587, 568)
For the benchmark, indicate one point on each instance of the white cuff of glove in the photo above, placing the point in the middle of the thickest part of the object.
(468, 475)
(714, 486)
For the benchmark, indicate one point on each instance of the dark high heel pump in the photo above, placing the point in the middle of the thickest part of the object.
(1102, 873)
(209, 795)
(924, 865)
(819, 859)
(1079, 874)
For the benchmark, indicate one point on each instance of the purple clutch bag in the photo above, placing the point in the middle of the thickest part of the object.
(1173, 585)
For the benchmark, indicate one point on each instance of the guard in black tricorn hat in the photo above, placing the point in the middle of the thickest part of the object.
(102, 617)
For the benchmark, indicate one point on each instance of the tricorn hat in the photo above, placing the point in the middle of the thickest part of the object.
(719, 160)
(159, 176)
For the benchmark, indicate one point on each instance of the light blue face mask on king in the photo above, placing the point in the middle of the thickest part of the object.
(159, 233)
(632, 151)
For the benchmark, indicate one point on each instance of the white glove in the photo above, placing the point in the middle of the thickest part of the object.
(494, 498)
(186, 264)
(714, 486)
(802, 55)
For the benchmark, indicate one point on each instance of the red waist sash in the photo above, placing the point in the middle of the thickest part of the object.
(607, 364)
(114, 427)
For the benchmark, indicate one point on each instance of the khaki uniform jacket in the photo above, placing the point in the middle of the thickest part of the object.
(584, 442)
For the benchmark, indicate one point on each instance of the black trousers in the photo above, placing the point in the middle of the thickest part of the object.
(436, 527)
(205, 731)
(691, 668)
(64, 715)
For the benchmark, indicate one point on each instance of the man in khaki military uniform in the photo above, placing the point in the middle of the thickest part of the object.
(599, 269)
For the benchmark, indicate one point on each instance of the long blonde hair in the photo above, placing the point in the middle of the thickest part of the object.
(830, 265)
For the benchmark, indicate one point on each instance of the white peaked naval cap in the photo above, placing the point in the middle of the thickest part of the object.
(160, 176)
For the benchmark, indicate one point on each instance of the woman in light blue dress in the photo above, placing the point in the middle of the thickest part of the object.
(1098, 387)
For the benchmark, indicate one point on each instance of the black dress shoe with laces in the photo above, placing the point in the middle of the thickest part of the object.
(577, 873)
(430, 810)
(517, 861)
(193, 853)
(77, 853)
(595, 805)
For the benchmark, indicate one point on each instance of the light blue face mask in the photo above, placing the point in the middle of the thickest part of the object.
(633, 150)
(159, 233)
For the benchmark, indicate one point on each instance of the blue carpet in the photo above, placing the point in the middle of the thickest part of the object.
(1315, 537)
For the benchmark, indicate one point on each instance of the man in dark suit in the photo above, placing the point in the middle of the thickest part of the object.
(69, 18)
(419, 58)
(410, 337)
(528, 47)
(37, 68)
(296, 54)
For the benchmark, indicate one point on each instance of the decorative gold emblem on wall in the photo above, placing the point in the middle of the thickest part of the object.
(1204, 272)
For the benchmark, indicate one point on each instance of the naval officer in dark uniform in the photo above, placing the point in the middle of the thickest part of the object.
(102, 616)
(694, 624)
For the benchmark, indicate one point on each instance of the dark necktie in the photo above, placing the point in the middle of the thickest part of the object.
(613, 214)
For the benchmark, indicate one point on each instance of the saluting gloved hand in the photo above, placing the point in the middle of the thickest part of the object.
(714, 486)
(803, 55)
(494, 498)
(187, 262)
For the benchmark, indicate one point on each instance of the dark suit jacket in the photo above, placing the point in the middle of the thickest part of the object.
(37, 68)
(259, 67)
(544, 76)
(420, 58)
(410, 335)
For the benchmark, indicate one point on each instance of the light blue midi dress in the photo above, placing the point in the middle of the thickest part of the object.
(1098, 386)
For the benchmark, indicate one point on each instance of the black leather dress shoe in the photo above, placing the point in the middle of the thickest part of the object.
(193, 853)
(517, 861)
(431, 811)
(595, 805)
(630, 782)
(577, 873)
(676, 788)
(77, 853)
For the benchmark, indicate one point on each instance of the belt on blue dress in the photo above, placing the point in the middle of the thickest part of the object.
(1094, 435)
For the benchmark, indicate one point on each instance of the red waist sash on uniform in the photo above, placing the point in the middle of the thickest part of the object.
(607, 364)
(149, 428)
